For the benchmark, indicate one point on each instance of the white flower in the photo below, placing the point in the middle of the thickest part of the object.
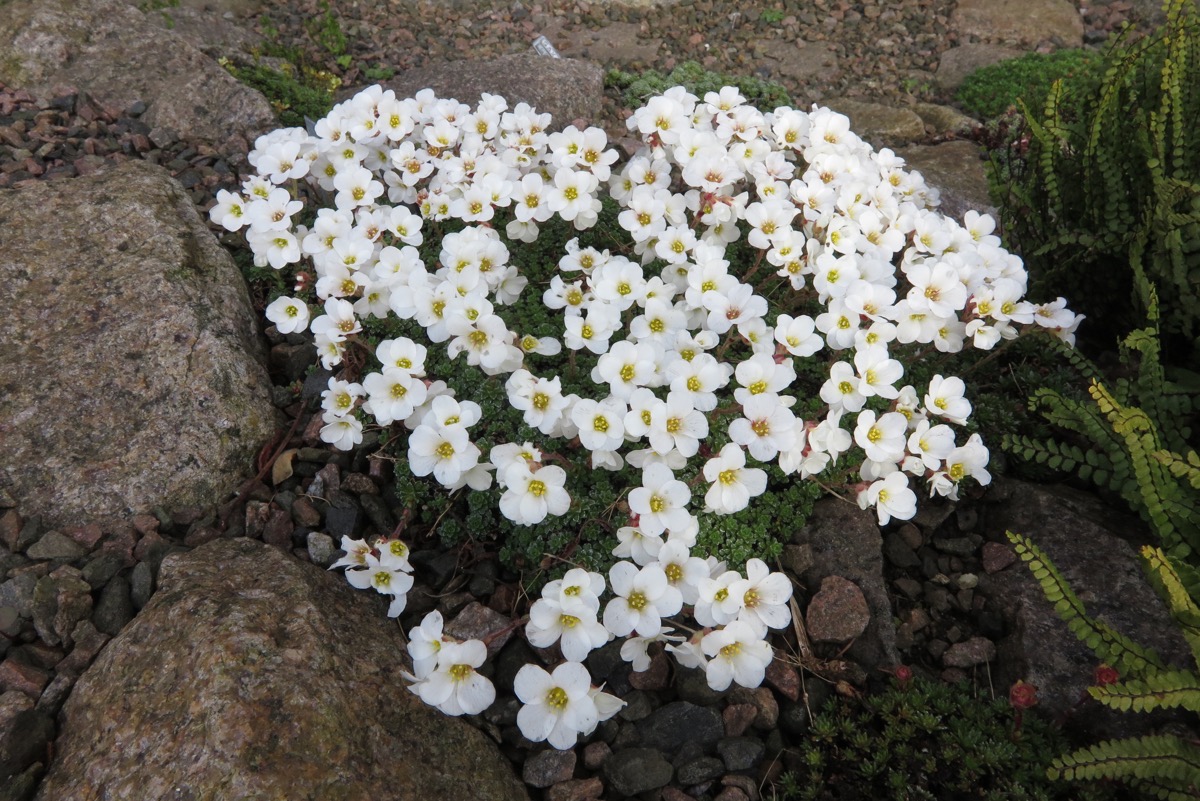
(455, 687)
(356, 553)
(733, 484)
(635, 649)
(644, 597)
(764, 595)
(945, 399)
(600, 423)
(676, 425)
(388, 580)
(717, 605)
(424, 644)
(969, 460)
(394, 395)
(737, 653)
(766, 427)
(661, 502)
(798, 335)
(882, 439)
(446, 452)
(341, 432)
(843, 390)
(290, 315)
(393, 553)
(576, 587)
(573, 626)
(684, 572)
(230, 210)
(635, 544)
(557, 707)
(530, 496)
(891, 497)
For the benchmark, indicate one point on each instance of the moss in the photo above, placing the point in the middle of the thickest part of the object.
(294, 93)
(989, 91)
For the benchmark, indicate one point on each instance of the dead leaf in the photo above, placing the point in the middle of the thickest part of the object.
(282, 469)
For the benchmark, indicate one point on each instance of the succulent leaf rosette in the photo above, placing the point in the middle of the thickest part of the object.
(850, 267)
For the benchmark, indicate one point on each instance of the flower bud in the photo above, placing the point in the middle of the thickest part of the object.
(1022, 695)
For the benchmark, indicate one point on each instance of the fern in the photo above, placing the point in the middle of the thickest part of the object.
(1109, 645)
(1112, 173)
(1164, 690)
(1163, 765)
(1131, 434)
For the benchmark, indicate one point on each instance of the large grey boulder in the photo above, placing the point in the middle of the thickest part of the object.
(566, 88)
(113, 52)
(881, 125)
(1021, 23)
(959, 172)
(957, 63)
(1091, 546)
(130, 372)
(283, 683)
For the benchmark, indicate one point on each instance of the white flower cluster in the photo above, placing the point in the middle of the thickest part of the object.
(735, 612)
(832, 218)
(682, 339)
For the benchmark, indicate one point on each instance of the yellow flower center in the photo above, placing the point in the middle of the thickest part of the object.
(693, 384)
(541, 401)
(757, 388)
(461, 672)
(600, 423)
(761, 427)
(657, 504)
(537, 488)
(445, 450)
(557, 698)
(568, 621)
(637, 600)
(731, 650)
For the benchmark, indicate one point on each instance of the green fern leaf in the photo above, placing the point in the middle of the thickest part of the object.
(1128, 657)
(1162, 690)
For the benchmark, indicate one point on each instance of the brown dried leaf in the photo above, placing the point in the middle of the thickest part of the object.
(282, 469)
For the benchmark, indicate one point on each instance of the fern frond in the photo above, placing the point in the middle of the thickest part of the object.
(1185, 467)
(1178, 584)
(1164, 690)
(1128, 657)
(1155, 758)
